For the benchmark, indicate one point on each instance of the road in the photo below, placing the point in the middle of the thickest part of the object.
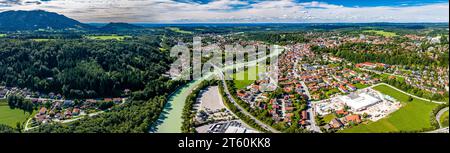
(165, 126)
(439, 114)
(414, 96)
(70, 120)
(441, 130)
(310, 110)
(263, 125)
(219, 72)
(26, 125)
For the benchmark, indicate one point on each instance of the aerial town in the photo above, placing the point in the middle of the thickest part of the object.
(321, 92)
(53, 107)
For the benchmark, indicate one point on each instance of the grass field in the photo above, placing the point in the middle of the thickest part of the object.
(327, 118)
(242, 83)
(41, 40)
(108, 37)
(12, 116)
(361, 86)
(413, 116)
(381, 32)
(386, 76)
(180, 31)
(2, 35)
(444, 117)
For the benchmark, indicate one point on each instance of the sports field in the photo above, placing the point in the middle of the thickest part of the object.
(413, 116)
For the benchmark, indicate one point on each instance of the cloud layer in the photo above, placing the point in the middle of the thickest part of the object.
(168, 11)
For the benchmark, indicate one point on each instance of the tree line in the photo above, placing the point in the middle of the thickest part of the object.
(80, 68)
(188, 115)
(90, 68)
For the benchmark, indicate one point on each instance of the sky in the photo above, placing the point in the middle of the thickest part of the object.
(240, 11)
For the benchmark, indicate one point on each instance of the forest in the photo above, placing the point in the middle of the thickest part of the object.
(79, 68)
(82, 68)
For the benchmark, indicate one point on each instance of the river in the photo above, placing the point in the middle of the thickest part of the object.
(170, 120)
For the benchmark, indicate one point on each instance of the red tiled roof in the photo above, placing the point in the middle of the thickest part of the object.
(341, 112)
(354, 118)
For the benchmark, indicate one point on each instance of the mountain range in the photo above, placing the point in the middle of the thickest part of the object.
(39, 19)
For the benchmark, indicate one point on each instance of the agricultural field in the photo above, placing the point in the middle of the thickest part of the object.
(178, 30)
(108, 37)
(41, 40)
(413, 116)
(2, 35)
(239, 84)
(381, 32)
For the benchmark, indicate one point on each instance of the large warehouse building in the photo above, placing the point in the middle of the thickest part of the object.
(358, 102)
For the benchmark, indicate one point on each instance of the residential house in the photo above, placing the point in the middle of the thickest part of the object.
(353, 118)
(336, 123)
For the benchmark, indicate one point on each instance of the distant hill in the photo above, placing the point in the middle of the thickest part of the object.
(37, 19)
(120, 26)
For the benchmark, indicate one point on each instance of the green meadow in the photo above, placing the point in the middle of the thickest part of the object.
(413, 116)
(242, 79)
(444, 119)
(327, 118)
(41, 40)
(108, 37)
(381, 32)
(178, 30)
(361, 86)
(11, 117)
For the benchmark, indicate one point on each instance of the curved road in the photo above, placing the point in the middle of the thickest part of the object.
(439, 114)
(441, 130)
(257, 121)
(428, 100)
(170, 120)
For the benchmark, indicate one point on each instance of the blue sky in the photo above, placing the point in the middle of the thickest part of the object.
(226, 11)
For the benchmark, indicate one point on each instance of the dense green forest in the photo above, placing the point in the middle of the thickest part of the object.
(82, 68)
(79, 68)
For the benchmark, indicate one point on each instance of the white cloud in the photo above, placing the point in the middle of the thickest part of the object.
(224, 11)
